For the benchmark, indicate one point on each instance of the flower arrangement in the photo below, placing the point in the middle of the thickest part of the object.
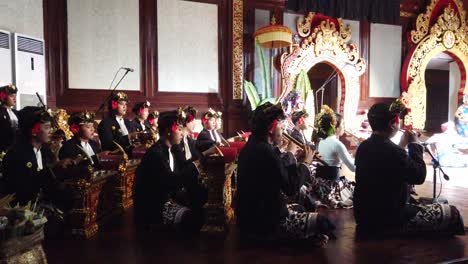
(17, 222)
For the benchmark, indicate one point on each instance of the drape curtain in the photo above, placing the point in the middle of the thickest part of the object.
(374, 11)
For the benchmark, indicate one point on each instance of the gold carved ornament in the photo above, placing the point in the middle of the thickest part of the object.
(446, 35)
(237, 48)
(328, 42)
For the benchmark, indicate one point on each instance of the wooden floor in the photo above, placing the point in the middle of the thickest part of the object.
(119, 243)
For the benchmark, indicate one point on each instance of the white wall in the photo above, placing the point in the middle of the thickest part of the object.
(385, 60)
(22, 16)
(103, 35)
(187, 46)
(454, 85)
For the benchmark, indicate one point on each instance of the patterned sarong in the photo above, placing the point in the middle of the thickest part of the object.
(301, 225)
(435, 218)
(334, 194)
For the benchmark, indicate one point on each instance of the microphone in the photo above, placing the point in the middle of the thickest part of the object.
(446, 177)
(127, 69)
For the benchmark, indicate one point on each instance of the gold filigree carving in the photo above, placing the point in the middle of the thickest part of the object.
(422, 23)
(447, 34)
(304, 26)
(407, 14)
(327, 42)
(237, 48)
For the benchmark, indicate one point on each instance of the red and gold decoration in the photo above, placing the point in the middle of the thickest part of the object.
(326, 39)
(274, 36)
(442, 28)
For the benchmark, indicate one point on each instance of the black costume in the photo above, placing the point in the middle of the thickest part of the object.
(21, 175)
(135, 126)
(264, 177)
(157, 187)
(71, 149)
(109, 131)
(7, 131)
(384, 172)
(299, 136)
(205, 140)
(192, 147)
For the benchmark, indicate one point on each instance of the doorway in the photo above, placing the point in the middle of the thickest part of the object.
(442, 80)
(324, 83)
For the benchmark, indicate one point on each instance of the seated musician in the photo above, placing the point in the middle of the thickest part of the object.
(153, 120)
(82, 143)
(188, 143)
(167, 190)
(383, 172)
(329, 128)
(28, 164)
(140, 122)
(208, 137)
(264, 177)
(299, 120)
(219, 124)
(8, 117)
(115, 127)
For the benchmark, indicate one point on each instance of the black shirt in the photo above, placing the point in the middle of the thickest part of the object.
(263, 177)
(384, 172)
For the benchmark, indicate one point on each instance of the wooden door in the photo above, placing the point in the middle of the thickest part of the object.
(437, 100)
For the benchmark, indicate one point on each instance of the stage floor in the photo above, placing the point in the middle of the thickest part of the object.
(119, 243)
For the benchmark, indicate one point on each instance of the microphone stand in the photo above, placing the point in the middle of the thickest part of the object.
(436, 166)
(101, 107)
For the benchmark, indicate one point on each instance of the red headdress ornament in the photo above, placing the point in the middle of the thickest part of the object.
(190, 118)
(36, 128)
(174, 127)
(74, 128)
(273, 126)
(115, 104)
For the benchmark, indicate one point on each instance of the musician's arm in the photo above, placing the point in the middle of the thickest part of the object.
(413, 164)
(292, 176)
(106, 136)
(344, 156)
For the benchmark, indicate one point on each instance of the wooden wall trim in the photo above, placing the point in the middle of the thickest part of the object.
(74, 98)
(55, 33)
(364, 47)
(59, 93)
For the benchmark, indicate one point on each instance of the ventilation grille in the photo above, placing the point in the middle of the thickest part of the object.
(30, 45)
(4, 40)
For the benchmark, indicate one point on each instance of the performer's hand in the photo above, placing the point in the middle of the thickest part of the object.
(408, 137)
(65, 163)
(284, 144)
(291, 147)
(309, 154)
(413, 137)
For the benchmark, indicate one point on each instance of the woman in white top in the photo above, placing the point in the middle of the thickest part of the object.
(332, 150)
(327, 187)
